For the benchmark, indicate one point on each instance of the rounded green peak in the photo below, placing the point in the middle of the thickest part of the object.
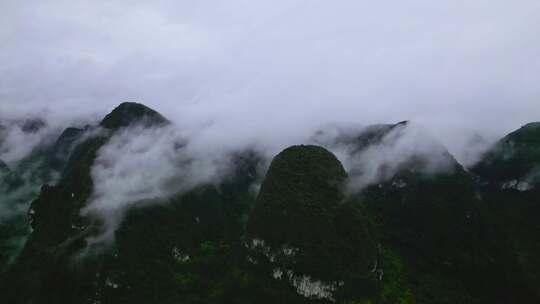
(311, 160)
(303, 179)
(129, 113)
(299, 195)
(301, 206)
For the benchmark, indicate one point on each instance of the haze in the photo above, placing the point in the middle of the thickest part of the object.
(233, 71)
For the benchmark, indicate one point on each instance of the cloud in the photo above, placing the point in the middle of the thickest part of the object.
(265, 74)
(276, 70)
(17, 143)
(369, 161)
(140, 166)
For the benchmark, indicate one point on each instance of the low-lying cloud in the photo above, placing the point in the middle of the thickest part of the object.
(141, 165)
(377, 160)
(22, 146)
(16, 143)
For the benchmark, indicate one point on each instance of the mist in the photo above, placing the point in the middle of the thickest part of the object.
(276, 69)
(378, 161)
(237, 74)
(141, 165)
(19, 178)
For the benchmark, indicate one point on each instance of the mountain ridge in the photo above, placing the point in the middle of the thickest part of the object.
(410, 235)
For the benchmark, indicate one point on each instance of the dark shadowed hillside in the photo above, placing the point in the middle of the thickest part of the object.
(305, 233)
(509, 181)
(405, 223)
(440, 240)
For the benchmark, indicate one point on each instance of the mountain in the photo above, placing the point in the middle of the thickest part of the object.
(58, 228)
(439, 237)
(509, 183)
(151, 237)
(305, 233)
(21, 183)
(129, 113)
(9, 230)
(514, 161)
(382, 214)
(436, 233)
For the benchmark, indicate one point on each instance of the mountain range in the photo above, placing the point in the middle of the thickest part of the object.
(383, 214)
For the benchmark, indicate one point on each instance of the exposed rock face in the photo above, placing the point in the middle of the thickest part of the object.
(301, 226)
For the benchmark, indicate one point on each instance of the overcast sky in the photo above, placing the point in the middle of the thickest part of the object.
(273, 68)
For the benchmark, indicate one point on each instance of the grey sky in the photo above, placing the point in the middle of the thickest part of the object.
(272, 69)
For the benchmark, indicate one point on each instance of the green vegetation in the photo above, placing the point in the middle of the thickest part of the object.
(301, 206)
(515, 157)
(21, 184)
(394, 282)
(442, 237)
(129, 112)
(510, 178)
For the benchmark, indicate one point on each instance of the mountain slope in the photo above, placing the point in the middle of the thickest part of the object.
(302, 229)
(509, 178)
(57, 264)
(437, 235)
(22, 183)
(406, 224)
(514, 161)
(128, 113)
(59, 230)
